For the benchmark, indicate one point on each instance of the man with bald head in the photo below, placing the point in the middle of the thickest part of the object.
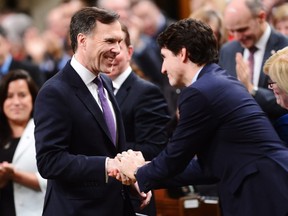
(246, 22)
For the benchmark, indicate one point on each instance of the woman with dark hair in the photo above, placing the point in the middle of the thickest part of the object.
(22, 189)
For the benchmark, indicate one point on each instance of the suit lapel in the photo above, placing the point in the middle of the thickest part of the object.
(125, 88)
(25, 142)
(270, 49)
(86, 97)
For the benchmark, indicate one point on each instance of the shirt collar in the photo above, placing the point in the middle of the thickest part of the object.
(196, 75)
(86, 75)
(261, 43)
(118, 81)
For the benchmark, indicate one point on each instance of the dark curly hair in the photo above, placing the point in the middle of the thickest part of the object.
(194, 35)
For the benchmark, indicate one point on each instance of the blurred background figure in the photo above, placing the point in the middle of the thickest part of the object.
(9, 62)
(276, 67)
(15, 25)
(22, 189)
(269, 6)
(279, 18)
(214, 19)
(145, 20)
(218, 5)
(254, 42)
(144, 111)
(50, 49)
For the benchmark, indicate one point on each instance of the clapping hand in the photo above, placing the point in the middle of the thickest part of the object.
(6, 173)
(243, 72)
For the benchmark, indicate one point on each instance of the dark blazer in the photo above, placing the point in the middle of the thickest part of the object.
(235, 144)
(32, 69)
(145, 115)
(72, 143)
(150, 61)
(264, 96)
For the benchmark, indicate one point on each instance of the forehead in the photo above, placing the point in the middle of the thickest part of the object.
(116, 4)
(18, 84)
(237, 16)
(112, 30)
(165, 52)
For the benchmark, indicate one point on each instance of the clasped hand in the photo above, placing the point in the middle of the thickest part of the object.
(123, 167)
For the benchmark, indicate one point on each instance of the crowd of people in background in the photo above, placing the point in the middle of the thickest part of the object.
(35, 56)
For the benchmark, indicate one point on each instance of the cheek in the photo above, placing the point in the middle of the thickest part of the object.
(285, 101)
(30, 104)
(6, 107)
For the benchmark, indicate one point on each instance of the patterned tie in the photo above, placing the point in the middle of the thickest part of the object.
(252, 50)
(107, 112)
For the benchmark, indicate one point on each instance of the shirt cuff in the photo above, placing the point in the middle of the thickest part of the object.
(106, 171)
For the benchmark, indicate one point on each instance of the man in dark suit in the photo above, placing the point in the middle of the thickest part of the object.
(146, 52)
(144, 111)
(7, 62)
(74, 144)
(246, 21)
(222, 125)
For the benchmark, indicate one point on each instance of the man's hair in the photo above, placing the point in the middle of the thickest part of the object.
(194, 35)
(127, 39)
(84, 21)
(254, 6)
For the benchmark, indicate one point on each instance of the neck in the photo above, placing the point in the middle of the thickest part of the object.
(18, 128)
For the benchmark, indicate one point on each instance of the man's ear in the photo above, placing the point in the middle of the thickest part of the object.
(81, 39)
(262, 17)
(183, 54)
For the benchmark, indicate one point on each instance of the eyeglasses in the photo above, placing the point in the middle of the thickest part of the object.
(270, 84)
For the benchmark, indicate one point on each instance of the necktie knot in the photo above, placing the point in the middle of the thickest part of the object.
(99, 83)
(253, 49)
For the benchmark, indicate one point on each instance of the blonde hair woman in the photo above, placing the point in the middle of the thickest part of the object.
(276, 67)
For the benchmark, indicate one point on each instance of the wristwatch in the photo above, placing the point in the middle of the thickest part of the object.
(254, 91)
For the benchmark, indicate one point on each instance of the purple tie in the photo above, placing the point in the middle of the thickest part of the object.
(252, 50)
(107, 112)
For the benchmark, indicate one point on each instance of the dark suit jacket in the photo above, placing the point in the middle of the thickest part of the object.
(32, 69)
(264, 96)
(145, 115)
(231, 137)
(72, 143)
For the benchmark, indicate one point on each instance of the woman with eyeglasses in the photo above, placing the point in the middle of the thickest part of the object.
(276, 67)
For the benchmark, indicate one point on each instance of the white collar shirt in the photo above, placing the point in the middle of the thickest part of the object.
(258, 55)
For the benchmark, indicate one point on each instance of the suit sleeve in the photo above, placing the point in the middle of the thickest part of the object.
(150, 118)
(190, 137)
(53, 121)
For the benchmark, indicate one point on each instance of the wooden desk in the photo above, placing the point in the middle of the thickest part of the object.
(190, 205)
(165, 205)
(195, 206)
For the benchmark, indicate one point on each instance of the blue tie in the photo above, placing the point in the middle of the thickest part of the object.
(107, 112)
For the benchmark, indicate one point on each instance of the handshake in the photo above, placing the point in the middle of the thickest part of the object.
(123, 168)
